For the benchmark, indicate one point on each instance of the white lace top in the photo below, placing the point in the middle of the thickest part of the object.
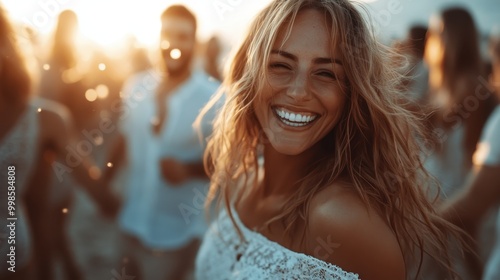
(223, 256)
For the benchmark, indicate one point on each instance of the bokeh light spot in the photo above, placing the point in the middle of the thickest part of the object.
(164, 45)
(94, 173)
(175, 53)
(91, 95)
(102, 91)
(98, 140)
(71, 76)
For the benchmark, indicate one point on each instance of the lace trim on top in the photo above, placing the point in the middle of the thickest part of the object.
(224, 256)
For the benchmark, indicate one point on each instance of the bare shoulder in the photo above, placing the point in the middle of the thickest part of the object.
(347, 233)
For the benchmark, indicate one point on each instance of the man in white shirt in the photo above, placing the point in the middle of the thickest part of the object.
(162, 218)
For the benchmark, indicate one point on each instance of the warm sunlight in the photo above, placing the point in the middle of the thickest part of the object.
(108, 23)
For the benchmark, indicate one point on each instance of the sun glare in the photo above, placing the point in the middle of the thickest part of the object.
(106, 23)
(112, 23)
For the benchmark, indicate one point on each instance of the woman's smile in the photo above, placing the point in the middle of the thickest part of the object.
(294, 118)
(305, 92)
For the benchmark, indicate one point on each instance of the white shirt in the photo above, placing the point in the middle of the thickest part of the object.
(488, 153)
(164, 217)
(448, 164)
(488, 149)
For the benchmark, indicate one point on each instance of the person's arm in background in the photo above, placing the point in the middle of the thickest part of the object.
(467, 208)
(131, 91)
(177, 172)
(470, 205)
(117, 156)
(57, 130)
(482, 190)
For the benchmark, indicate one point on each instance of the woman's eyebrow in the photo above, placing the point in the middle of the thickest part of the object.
(319, 60)
(325, 60)
(285, 54)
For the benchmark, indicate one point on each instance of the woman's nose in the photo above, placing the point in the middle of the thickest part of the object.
(298, 88)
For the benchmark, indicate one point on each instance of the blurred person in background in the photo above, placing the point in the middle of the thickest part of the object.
(212, 53)
(413, 48)
(61, 81)
(455, 69)
(139, 59)
(481, 192)
(29, 128)
(64, 73)
(162, 219)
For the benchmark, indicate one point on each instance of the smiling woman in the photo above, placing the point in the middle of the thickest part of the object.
(314, 159)
(306, 92)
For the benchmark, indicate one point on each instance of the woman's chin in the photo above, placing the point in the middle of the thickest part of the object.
(289, 149)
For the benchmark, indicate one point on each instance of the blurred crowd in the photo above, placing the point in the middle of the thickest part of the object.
(100, 119)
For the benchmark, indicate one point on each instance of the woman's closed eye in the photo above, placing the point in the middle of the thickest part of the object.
(279, 66)
(327, 74)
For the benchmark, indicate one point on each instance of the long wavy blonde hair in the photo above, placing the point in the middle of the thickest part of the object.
(375, 144)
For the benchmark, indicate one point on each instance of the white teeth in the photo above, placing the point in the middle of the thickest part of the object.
(293, 119)
(293, 124)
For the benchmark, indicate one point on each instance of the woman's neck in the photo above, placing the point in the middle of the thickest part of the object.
(282, 172)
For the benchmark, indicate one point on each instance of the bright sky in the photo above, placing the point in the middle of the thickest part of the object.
(108, 22)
